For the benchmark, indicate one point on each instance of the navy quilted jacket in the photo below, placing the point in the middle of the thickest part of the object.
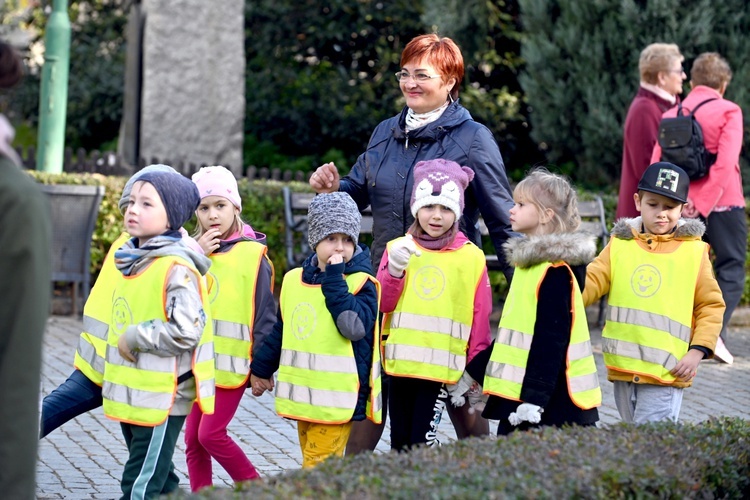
(353, 314)
(382, 176)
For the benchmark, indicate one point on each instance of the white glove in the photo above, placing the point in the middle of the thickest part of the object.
(399, 255)
(459, 389)
(526, 412)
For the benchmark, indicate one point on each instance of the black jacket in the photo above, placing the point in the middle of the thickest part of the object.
(382, 176)
(354, 315)
(545, 382)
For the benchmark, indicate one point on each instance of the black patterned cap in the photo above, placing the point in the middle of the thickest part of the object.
(666, 179)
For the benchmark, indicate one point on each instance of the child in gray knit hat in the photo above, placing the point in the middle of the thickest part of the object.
(325, 343)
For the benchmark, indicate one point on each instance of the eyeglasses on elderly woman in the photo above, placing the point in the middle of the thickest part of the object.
(403, 76)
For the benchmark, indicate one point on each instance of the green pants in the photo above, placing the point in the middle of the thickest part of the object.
(149, 471)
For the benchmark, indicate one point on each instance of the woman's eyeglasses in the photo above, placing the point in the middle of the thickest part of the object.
(403, 76)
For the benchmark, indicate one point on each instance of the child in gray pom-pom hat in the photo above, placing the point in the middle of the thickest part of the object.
(324, 344)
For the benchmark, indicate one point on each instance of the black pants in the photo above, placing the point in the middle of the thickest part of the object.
(726, 232)
(415, 406)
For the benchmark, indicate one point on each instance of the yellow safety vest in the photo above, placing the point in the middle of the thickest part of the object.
(232, 297)
(318, 379)
(92, 343)
(143, 392)
(427, 334)
(510, 352)
(650, 318)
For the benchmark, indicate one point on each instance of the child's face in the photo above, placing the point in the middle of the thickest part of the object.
(217, 212)
(334, 249)
(524, 217)
(659, 213)
(145, 216)
(435, 220)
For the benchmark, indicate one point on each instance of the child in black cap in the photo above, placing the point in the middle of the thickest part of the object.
(665, 306)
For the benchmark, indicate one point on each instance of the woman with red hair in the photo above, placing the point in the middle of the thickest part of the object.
(432, 124)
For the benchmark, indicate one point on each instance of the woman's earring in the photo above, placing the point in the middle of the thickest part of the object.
(450, 97)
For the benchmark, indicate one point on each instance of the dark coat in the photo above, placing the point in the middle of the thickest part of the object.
(343, 306)
(545, 383)
(639, 136)
(382, 176)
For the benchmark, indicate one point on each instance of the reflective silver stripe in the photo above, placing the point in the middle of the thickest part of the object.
(207, 388)
(378, 406)
(232, 364)
(639, 352)
(204, 352)
(426, 355)
(316, 397)
(580, 350)
(514, 338)
(230, 330)
(430, 324)
(95, 327)
(87, 352)
(583, 383)
(318, 362)
(146, 361)
(137, 398)
(504, 371)
(645, 319)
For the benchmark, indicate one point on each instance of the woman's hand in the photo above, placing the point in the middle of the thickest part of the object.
(260, 385)
(209, 241)
(689, 210)
(325, 179)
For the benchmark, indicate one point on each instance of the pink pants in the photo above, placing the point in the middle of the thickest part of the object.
(206, 437)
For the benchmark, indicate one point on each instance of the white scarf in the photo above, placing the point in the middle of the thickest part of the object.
(660, 92)
(417, 120)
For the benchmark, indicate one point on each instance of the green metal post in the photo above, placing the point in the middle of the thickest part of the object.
(53, 100)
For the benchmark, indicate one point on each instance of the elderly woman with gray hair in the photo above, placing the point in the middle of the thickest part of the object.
(660, 67)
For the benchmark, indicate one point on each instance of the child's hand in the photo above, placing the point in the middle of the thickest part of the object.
(336, 258)
(209, 241)
(399, 255)
(260, 385)
(687, 367)
(125, 351)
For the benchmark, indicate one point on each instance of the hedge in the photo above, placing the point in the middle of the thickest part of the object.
(662, 460)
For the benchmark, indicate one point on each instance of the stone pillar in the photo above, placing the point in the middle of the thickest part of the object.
(193, 82)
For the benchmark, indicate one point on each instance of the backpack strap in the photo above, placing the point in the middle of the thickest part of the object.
(701, 104)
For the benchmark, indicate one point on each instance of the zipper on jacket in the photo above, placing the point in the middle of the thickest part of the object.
(406, 143)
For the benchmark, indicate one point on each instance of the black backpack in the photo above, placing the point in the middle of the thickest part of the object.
(681, 141)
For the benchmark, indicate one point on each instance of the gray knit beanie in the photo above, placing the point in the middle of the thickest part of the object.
(178, 193)
(331, 213)
(125, 198)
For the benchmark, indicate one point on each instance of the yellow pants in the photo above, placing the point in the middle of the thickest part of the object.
(320, 441)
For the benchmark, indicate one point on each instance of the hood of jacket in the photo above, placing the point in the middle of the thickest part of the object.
(687, 229)
(360, 263)
(130, 258)
(574, 249)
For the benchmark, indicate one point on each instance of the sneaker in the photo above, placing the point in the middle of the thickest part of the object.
(722, 354)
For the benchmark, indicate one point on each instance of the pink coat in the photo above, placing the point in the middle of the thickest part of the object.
(479, 338)
(721, 121)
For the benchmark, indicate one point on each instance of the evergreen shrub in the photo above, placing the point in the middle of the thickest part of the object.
(664, 460)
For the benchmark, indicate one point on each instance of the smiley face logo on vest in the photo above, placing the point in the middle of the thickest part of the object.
(303, 320)
(213, 286)
(645, 280)
(429, 283)
(122, 316)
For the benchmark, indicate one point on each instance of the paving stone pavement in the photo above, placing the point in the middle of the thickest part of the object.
(84, 458)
